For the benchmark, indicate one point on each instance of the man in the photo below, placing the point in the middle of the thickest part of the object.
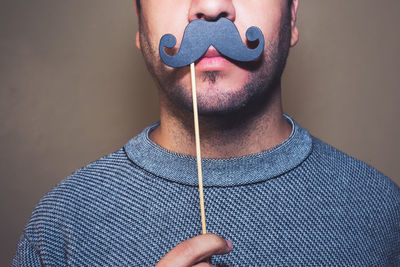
(281, 196)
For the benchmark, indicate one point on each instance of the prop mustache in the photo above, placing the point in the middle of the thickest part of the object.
(222, 34)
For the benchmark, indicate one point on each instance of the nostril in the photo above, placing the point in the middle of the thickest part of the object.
(210, 17)
(223, 15)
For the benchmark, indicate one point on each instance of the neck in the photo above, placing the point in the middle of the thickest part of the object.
(234, 135)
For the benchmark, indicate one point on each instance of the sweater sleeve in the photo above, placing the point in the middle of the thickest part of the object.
(26, 254)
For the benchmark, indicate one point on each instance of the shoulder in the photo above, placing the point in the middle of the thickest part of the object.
(336, 161)
(359, 197)
(82, 216)
(98, 176)
(86, 208)
(355, 178)
(84, 197)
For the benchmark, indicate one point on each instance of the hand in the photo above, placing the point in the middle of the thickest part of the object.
(195, 251)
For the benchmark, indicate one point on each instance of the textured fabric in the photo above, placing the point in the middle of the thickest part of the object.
(301, 203)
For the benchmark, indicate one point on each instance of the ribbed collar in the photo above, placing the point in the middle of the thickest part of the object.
(220, 172)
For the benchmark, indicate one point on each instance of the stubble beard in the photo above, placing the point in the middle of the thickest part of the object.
(264, 78)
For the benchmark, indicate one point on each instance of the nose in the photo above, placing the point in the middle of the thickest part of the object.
(212, 10)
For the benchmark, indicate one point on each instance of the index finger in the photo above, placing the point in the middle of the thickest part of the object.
(196, 249)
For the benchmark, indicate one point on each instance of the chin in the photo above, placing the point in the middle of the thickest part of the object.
(223, 104)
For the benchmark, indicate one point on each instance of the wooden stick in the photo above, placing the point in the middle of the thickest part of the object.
(198, 152)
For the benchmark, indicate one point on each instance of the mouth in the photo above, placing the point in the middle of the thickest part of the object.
(212, 60)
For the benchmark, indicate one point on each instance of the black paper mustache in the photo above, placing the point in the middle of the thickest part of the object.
(222, 34)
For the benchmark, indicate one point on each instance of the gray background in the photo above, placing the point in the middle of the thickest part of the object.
(74, 88)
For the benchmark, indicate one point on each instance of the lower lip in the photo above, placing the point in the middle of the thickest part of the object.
(212, 64)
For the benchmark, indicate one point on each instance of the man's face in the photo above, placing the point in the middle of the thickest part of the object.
(222, 85)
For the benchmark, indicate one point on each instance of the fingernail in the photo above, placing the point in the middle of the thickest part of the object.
(228, 244)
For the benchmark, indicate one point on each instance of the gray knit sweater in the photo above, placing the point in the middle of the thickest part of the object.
(301, 203)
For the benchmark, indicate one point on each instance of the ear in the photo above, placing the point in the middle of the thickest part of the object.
(294, 30)
(138, 41)
(136, 9)
(137, 33)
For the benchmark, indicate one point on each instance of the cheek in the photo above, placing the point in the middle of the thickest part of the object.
(162, 17)
(265, 14)
(240, 77)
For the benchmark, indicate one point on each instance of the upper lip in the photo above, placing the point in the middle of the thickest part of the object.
(212, 52)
